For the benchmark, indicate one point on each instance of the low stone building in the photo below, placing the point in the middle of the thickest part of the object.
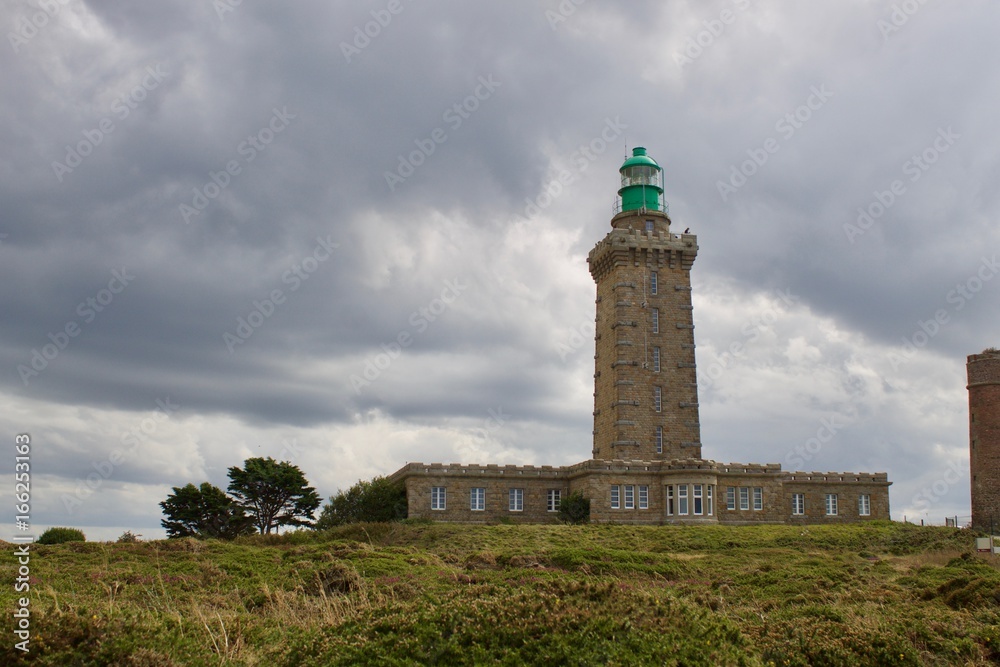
(647, 464)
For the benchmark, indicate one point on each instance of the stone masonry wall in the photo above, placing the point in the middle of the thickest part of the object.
(628, 342)
(984, 438)
(458, 482)
(595, 478)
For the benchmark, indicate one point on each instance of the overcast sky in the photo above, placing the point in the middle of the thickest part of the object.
(353, 235)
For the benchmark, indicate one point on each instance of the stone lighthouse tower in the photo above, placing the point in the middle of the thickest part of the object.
(645, 383)
(984, 437)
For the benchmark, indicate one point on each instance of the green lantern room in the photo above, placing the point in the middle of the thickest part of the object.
(642, 184)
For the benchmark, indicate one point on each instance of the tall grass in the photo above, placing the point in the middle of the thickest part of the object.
(423, 593)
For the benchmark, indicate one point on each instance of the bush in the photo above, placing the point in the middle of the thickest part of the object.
(373, 502)
(128, 537)
(60, 535)
(574, 508)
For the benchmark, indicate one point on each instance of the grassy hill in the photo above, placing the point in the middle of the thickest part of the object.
(417, 593)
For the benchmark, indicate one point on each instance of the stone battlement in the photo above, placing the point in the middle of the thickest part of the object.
(984, 368)
(839, 477)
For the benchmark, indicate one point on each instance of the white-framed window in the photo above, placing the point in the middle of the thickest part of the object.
(659, 439)
(657, 398)
(649, 225)
(708, 500)
(730, 497)
(744, 498)
(758, 499)
(643, 497)
(682, 498)
(553, 499)
(629, 497)
(515, 500)
(696, 495)
(864, 505)
(656, 320)
(652, 282)
(670, 500)
(438, 495)
(615, 497)
(477, 499)
(656, 360)
(798, 504)
(831, 504)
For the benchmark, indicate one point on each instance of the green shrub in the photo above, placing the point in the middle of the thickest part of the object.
(374, 501)
(60, 535)
(128, 537)
(574, 508)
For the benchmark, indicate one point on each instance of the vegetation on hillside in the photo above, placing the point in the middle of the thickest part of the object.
(264, 493)
(370, 501)
(59, 535)
(416, 593)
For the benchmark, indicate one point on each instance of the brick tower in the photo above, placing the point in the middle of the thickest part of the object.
(645, 384)
(984, 437)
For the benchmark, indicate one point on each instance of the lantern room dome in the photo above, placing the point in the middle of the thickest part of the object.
(642, 183)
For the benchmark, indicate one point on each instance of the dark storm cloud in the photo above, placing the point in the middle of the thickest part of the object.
(231, 146)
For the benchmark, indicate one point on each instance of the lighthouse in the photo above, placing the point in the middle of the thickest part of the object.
(645, 382)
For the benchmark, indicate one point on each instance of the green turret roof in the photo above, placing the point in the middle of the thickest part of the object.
(639, 158)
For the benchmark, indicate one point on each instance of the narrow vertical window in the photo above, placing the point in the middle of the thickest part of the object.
(682, 498)
(643, 497)
(553, 500)
(629, 497)
(515, 502)
(744, 498)
(670, 500)
(798, 504)
(649, 226)
(831, 504)
(657, 398)
(659, 439)
(758, 498)
(615, 498)
(709, 509)
(656, 320)
(652, 282)
(477, 499)
(697, 497)
(656, 360)
(864, 505)
(730, 497)
(437, 498)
